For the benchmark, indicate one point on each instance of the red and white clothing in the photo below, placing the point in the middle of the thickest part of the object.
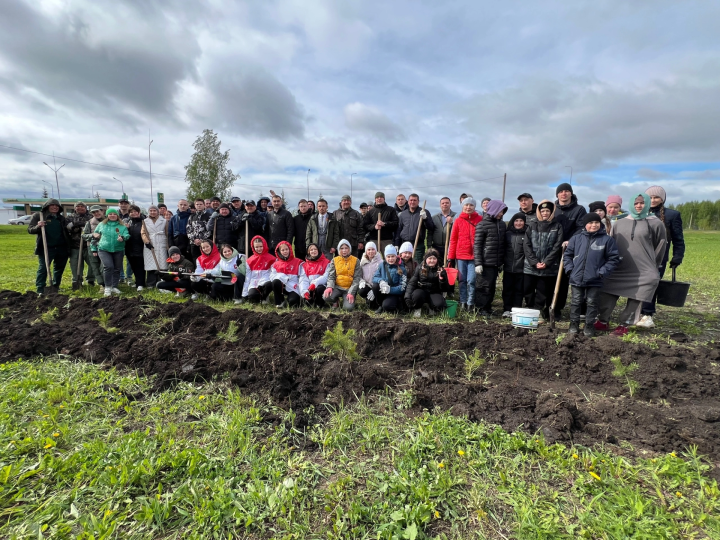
(316, 273)
(259, 266)
(289, 271)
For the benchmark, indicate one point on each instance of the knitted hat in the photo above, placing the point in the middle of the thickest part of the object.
(563, 187)
(597, 205)
(344, 242)
(519, 215)
(590, 217)
(379, 195)
(390, 250)
(656, 191)
(224, 205)
(469, 200)
(370, 245)
(112, 211)
(406, 247)
(174, 250)
(617, 199)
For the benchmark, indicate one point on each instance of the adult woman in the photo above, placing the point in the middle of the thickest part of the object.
(369, 264)
(155, 238)
(343, 277)
(111, 235)
(427, 285)
(641, 240)
(390, 282)
(257, 285)
(317, 269)
(230, 275)
(285, 275)
(209, 258)
(461, 250)
(600, 209)
(135, 246)
(175, 278)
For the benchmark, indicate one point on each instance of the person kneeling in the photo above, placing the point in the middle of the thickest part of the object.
(229, 275)
(317, 269)
(257, 276)
(369, 262)
(344, 277)
(285, 275)
(209, 258)
(173, 279)
(427, 285)
(390, 282)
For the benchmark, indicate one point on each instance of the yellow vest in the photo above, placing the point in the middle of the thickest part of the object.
(344, 271)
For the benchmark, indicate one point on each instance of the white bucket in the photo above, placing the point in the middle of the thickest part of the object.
(525, 318)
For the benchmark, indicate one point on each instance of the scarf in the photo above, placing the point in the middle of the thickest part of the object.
(645, 211)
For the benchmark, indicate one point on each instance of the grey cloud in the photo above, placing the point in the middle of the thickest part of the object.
(376, 150)
(651, 173)
(332, 147)
(370, 120)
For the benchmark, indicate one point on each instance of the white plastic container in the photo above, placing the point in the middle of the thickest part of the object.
(525, 318)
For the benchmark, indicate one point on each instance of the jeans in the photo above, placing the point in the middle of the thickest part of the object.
(467, 281)
(488, 284)
(112, 264)
(225, 293)
(580, 295)
(389, 302)
(648, 308)
(58, 257)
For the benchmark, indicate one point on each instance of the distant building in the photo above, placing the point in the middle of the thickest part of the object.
(23, 207)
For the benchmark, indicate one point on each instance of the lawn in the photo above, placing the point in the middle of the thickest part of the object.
(89, 451)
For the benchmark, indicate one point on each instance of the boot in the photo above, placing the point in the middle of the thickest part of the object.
(574, 327)
(589, 330)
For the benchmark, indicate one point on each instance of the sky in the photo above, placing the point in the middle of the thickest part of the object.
(437, 98)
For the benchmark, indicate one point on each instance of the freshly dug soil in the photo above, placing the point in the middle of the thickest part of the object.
(566, 390)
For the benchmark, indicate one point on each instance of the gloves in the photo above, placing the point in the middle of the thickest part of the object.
(423, 214)
(384, 287)
(149, 246)
(674, 263)
(244, 217)
(70, 227)
(327, 293)
(451, 263)
(363, 284)
(409, 303)
(306, 296)
(311, 288)
(478, 269)
(215, 215)
(371, 295)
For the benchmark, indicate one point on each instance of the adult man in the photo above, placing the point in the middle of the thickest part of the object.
(254, 221)
(324, 230)
(197, 230)
(50, 219)
(215, 203)
(162, 208)
(301, 223)
(570, 215)
(177, 229)
(75, 225)
(527, 207)
(237, 206)
(94, 264)
(351, 225)
(280, 223)
(126, 273)
(443, 228)
(223, 226)
(400, 205)
(264, 202)
(408, 222)
(311, 207)
(383, 218)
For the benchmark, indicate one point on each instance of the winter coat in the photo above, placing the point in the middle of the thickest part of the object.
(332, 236)
(155, 234)
(489, 247)
(281, 226)
(178, 225)
(572, 220)
(316, 273)
(258, 267)
(543, 243)
(531, 215)
(55, 228)
(234, 264)
(345, 274)
(437, 238)
(410, 266)
(590, 258)
(197, 226)
(225, 229)
(75, 225)
(394, 275)
(462, 237)
(350, 223)
(673, 232)
(641, 244)
(428, 281)
(109, 236)
(301, 226)
(289, 271)
(515, 249)
(399, 209)
(135, 246)
(369, 267)
(388, 216)
(255, 224)
(183, 266)
(408, 223)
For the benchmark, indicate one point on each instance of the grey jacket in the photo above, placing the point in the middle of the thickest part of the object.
(437, 238)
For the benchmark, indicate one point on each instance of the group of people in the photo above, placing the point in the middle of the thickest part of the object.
(396, 258)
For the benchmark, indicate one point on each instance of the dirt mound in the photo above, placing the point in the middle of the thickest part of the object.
(564, 388)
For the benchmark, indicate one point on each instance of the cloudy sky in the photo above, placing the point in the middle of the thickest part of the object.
(433, 97)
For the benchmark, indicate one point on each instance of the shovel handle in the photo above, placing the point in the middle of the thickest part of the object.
(673, 271)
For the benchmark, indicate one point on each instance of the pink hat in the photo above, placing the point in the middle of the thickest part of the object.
(617, 199)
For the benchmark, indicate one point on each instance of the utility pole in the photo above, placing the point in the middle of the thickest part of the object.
(55, 169)
(569, 167)
(307, 179)
(351, 186)
(504, 182)
(150, 162)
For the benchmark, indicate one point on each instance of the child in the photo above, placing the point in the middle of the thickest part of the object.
(406, 256)
(462, 241)
(286, 275)
(316, 267)
(369, 262)
(489, 253)
(257, 276)
(513, 277)
(344, 277)
(589, 258)
(390, 282)
(173, 280)
(229, 288)
(427, 285)
(209, 258)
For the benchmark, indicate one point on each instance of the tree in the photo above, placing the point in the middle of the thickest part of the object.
(207, 173)
(45, 193)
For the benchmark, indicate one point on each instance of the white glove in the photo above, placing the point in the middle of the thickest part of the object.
(423, 214)
(478, 269)
(371, 295)
(70, 227)
(363, 284)
(384, 287)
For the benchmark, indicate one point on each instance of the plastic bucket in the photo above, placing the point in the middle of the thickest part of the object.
(451, 307)
(672, 293)
(525, 318)
(452, 274)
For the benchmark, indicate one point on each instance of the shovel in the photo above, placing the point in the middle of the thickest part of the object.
(52, 287)
(77, 284)
(557, 288)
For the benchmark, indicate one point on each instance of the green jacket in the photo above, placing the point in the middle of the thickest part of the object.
(109, 236)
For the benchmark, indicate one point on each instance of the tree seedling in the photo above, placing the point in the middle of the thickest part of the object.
(621, 371)
(103, 320)
(48, 317)
(472, 362)
(230, 334)
(341, 344)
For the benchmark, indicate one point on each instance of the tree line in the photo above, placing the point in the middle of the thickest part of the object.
(699, 215)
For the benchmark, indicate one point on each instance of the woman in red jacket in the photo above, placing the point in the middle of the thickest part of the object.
(462, 243)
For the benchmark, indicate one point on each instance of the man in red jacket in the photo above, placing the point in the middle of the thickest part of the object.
(462, 243)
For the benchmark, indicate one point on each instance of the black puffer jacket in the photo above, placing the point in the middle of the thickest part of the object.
(387, 215)
(530, 216)
(281, 228)
(255, 227)
(675, 237)
(515, 248)
(490, 242)
(572, 217)
(135, 245)
(78, 222)
(350, 223)
(543, 243)
(225, 229)
(428, 280)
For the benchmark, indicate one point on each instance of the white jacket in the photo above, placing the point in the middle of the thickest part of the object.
(291, 281)
(254, 279)
(236, 265)
(317, 280)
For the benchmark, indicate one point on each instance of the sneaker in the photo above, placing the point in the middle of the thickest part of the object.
(601, 326)
(574, 328)
(140, 288)
(115, 290)
(646, 322)
(582, 317)
(108, 291)
(237, 301)
(417, 313)
(483, 313)
(265, 302)
(195, 296)
(283, 305)
(589, 331)
(379, 310)
(129, 283)
(620, 331)
(507, 314)
(164, 291)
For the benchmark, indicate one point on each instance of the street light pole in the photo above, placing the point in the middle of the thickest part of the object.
(123, 187)
(353, 174)
(150, 162)
(307, 178)
(57, 183)
(571, 171)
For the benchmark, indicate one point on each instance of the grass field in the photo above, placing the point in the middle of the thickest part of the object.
(86, 451)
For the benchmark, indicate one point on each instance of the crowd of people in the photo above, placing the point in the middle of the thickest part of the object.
(395, 258)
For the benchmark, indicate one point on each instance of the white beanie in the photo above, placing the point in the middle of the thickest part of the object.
(407, 246)
(370, 245)
(469, 200)
(343, 241)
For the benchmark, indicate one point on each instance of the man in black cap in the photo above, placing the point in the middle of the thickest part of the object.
(383, 218)
(253, 221)
(528, 207)
(351, 225)
(237, 206)
(570, 215)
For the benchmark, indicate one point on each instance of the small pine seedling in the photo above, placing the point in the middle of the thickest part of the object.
(230, 334)
(472, 362)
(49, 316)
(340, 343)
(625, 371)
(103, 320)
